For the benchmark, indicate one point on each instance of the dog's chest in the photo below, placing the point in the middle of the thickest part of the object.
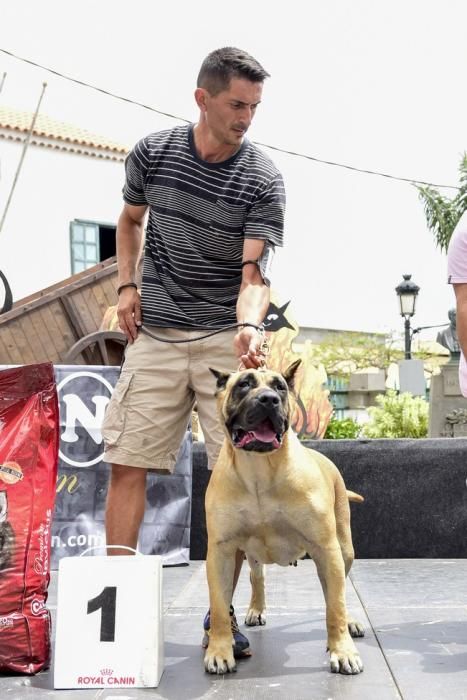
(269, 532)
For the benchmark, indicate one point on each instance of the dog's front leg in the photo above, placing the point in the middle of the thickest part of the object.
(220, 566)
(344, 656)
(255, 615)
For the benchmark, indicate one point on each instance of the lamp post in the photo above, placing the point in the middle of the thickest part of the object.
(407, 292)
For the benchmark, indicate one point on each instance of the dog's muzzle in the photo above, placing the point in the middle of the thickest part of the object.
(261, 424)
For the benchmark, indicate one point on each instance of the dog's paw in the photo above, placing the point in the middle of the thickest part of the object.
(356, 629)
(219, 658)
(255, 618)
(345, 659)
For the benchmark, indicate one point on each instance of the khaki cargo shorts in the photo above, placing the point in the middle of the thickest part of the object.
(151, 404)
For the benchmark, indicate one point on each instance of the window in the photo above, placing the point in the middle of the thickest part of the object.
(90, 243)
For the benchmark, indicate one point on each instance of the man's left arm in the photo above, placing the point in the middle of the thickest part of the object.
(252, 305)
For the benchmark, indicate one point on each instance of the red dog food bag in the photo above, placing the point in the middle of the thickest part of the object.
(29, 428)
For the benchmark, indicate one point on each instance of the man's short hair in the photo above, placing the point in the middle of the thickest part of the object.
(220, 66)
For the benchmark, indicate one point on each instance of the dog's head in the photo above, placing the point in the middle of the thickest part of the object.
(254, 407)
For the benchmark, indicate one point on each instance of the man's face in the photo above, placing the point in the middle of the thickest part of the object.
(230, 113)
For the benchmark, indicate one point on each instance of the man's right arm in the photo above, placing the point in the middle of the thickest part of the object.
(129, 236)
(461, 316)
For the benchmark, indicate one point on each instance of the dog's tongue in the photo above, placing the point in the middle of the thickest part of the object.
(264, 432)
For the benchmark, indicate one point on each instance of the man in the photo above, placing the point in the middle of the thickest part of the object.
(216, 208)
(457, 271)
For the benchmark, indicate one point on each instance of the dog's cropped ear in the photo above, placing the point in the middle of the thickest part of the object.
(221, 378)
(289, 374)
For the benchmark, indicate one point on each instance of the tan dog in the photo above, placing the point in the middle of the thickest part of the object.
(276, 500)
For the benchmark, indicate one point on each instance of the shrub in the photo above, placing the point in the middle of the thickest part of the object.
(342, 429)
(397, 416)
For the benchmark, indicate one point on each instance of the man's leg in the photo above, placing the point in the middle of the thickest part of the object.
(144, 425)
(126, 498)
(217, 352)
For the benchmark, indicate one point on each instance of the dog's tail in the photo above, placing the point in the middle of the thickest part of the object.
(355, 497)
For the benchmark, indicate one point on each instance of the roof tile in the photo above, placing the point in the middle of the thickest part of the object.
(17, 120)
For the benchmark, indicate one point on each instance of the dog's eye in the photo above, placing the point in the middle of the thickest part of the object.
(279, 387)
(243, 384)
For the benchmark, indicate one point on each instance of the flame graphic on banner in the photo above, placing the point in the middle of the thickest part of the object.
(312, 409)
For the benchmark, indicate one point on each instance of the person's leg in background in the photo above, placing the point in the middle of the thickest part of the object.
(216, 352)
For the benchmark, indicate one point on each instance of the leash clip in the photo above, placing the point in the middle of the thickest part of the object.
(264, 348)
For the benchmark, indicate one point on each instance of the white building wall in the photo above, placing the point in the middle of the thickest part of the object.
(54, 188)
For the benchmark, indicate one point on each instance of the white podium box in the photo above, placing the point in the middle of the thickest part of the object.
(109, 622)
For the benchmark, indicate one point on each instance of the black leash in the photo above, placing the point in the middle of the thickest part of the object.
(145, 330)
(261, 329)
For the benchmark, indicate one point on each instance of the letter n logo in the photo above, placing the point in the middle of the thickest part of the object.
(83, 399)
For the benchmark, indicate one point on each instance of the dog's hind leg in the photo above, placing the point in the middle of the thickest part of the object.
(344, 656)
(344, 535)
(255, 615)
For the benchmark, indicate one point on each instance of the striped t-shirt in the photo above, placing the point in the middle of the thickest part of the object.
(200, 213)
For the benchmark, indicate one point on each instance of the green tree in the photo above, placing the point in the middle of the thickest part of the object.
(441, 212)
(397, 416)
(344, 353)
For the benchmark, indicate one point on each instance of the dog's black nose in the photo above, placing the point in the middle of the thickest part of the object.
(268, 398)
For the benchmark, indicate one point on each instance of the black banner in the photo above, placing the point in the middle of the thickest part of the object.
(78, 522)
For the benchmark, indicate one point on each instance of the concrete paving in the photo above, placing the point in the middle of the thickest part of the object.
(415, 648)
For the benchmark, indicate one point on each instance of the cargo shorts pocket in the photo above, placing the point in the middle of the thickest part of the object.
(116, 412)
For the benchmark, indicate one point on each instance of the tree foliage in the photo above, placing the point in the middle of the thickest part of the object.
(343, 353)
(441, 212)
(342, 429)
(397, 416)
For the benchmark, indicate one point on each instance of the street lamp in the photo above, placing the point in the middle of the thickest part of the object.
(407, 292)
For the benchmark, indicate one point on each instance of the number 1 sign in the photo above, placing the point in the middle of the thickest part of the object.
(109, 622)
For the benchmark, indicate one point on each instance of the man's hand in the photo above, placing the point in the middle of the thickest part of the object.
(247, 344)
(129, 312)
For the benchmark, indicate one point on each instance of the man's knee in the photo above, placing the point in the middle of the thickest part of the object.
(130, 477)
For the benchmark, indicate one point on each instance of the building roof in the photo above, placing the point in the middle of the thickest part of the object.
(51, 133)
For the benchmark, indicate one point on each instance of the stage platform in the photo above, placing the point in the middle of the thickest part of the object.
(414, 612)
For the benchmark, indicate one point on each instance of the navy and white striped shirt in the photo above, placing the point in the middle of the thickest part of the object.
(200, 213)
